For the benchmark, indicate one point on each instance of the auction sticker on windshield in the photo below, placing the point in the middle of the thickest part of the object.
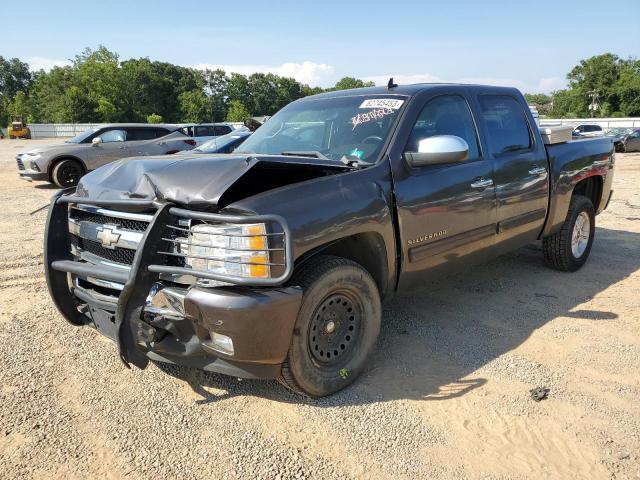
(392, 103)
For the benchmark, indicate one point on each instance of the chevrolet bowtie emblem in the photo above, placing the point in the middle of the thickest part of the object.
(107, 235)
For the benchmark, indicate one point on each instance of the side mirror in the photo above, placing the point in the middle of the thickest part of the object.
(96, 141)
(438, 150)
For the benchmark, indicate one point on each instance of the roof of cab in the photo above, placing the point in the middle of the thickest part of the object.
(408, 90)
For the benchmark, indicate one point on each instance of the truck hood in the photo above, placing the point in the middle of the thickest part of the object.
(205, 182)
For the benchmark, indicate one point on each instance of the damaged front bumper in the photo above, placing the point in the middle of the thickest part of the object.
(242, 330)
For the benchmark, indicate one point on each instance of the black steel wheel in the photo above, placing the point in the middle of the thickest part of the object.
(337, 326)
(67, 173)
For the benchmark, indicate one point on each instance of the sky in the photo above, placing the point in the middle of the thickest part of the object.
(530, 45)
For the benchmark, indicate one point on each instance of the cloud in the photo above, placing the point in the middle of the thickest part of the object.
(312, 73)
(46, 64)
(548, 85)
(545, 85)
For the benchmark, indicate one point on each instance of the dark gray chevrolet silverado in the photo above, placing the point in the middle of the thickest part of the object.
(273, 261)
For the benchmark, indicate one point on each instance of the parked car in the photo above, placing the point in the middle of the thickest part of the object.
(618, 134)
(203, 132)
(64, 163)
(224, 144)
(273, 261)
(588, 130)
(631, 141)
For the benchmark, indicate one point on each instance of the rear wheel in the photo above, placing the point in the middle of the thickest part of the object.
(569, 248)
(336, 329)
(67, 173)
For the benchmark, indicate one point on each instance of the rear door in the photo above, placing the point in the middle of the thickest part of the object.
(447, 212)
(520, 166)
(137, 140)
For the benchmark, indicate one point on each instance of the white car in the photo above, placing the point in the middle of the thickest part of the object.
(203, 132)
(588, 130)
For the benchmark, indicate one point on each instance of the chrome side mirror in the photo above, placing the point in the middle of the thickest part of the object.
(96, 141)
(438, 150)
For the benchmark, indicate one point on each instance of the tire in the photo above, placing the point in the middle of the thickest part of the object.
(336, 329)
(67, 173)
(28, 135)
(568, 249)
(12, 137)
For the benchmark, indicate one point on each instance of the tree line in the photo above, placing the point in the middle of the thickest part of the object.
(601, 86)
(98, 87)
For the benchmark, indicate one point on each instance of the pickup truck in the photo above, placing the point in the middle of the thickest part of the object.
(273, 261)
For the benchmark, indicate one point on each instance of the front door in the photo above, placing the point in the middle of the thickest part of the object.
(521, 170)
(111, 148)
(446, 212)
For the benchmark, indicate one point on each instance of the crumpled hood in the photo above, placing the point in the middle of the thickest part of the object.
(196, 181)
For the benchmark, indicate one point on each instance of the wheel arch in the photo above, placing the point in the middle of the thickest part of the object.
(590, 187)
(367, 249)
(54, 161)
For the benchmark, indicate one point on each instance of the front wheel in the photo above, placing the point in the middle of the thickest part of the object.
(568, 249)
(336, 329)
(67, 173)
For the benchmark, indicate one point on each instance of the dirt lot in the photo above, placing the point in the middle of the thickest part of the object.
(446, 395)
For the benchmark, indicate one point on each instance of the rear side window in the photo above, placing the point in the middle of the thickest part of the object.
(160, 132)
(445, 115)
(136, 134)
(203, 131)
(222, 130)
(505, 123)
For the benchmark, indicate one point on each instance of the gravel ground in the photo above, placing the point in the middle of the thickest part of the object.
(446, 394)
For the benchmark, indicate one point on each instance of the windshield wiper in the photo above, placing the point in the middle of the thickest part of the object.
(305, 153)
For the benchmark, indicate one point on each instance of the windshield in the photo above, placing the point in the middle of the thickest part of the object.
(83, 135)
(353, 127)
(218, 143)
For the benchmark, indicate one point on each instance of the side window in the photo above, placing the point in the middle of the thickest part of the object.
(445, 115)
(113, 136)
(222, 130)
(160, 132)
(134, 134)
(506, 124)
(203, 131)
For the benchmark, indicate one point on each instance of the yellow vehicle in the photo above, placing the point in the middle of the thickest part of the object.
(19, 129)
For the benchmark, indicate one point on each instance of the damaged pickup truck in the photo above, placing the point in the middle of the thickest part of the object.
(273, 261)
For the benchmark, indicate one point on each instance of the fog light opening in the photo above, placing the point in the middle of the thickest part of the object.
(221, 343)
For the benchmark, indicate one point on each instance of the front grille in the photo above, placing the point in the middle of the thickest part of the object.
(123, 256)
(20, 164)
(119, 255)
(83, 215)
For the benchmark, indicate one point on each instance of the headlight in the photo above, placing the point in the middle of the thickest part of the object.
(228, 249)
(32, 156)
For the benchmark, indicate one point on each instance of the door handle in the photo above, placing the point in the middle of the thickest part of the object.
(482, 183)
(122, 148)
(538, 171)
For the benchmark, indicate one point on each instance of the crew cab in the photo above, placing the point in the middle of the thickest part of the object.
(273, 261)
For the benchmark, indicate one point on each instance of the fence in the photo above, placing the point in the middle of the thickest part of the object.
(42, 130)
(629, 122)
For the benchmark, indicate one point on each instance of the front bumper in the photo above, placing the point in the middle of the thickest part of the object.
(259, 320)
(30, 175)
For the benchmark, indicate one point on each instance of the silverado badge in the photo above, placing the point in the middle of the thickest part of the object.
(429, 236)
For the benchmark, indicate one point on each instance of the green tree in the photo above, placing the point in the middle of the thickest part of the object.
(541, 101)
(194, 106)
(154, 118)
(237, 112)
(14, 77)
(346, 83)
(216, 85)
(18, 108)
